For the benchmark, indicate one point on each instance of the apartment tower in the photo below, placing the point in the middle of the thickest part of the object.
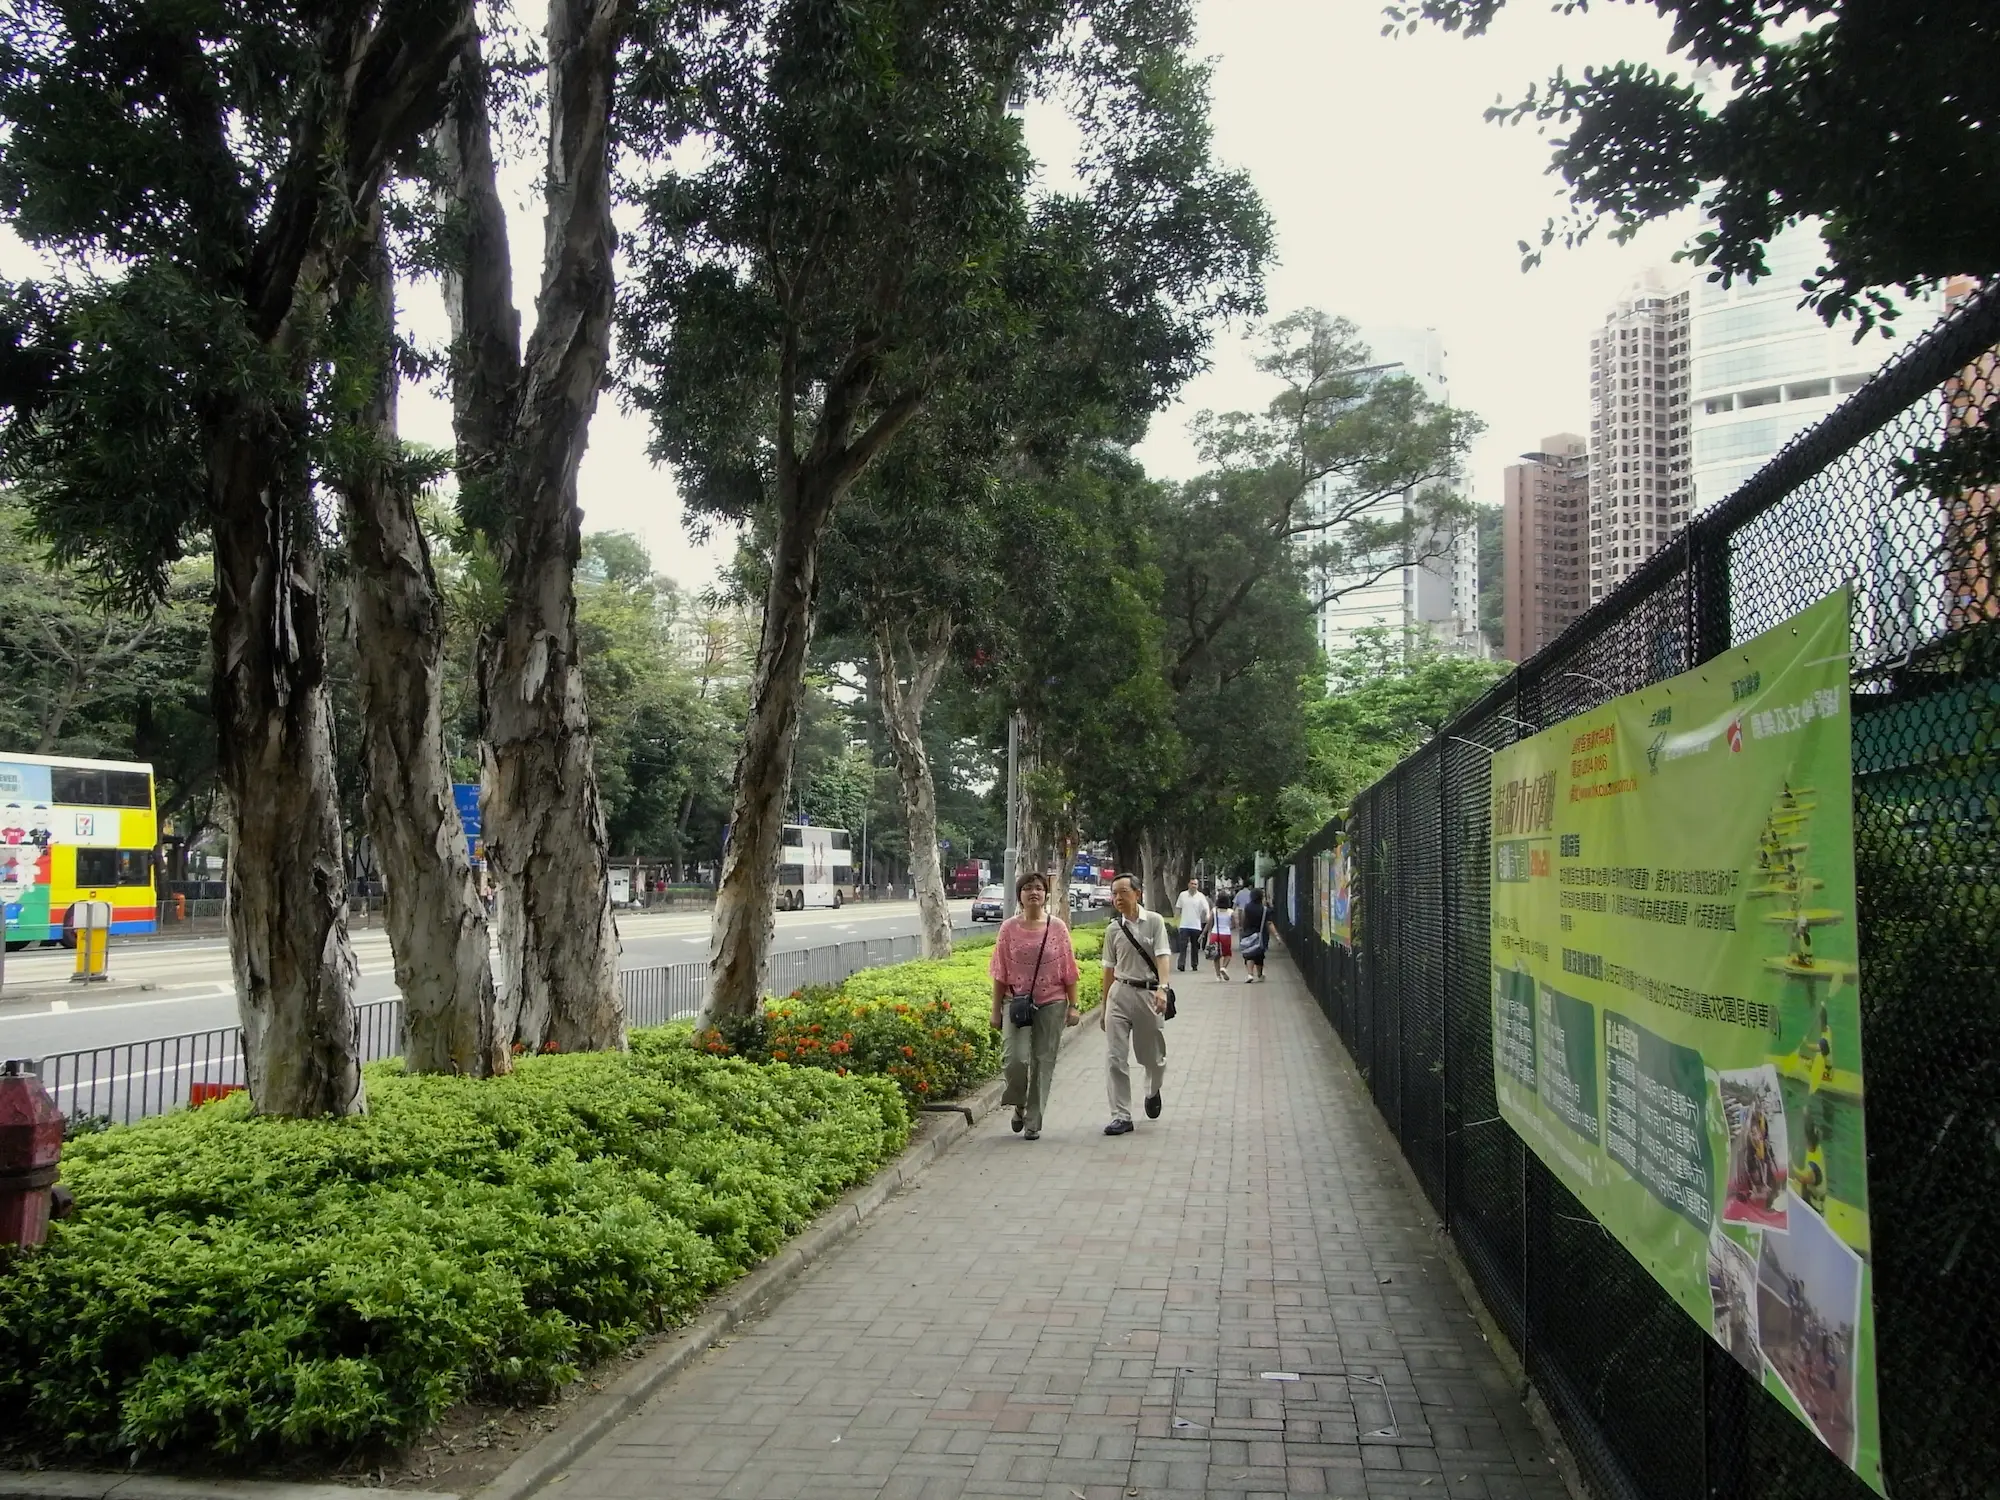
(1439, 594)
(1544, 523)
(1640, 488)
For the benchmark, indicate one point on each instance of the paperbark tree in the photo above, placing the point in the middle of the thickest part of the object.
(201, 153)
(436, 920)
(1345, 476)
(908, 662)
(857, 239)
(522, 420)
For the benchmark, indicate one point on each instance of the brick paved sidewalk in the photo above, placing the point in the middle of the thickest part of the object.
(1092, 1316)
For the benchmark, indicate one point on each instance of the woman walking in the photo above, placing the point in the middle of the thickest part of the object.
(1219, 938)
(1034, 997)
(1256, 935)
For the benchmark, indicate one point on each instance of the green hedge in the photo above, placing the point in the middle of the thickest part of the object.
(238, 1285)
(925, 1024)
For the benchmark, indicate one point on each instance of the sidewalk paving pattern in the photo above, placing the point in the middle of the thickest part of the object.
(1084, 1316)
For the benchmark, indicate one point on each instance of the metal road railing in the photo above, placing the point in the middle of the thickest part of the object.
(133, 1080)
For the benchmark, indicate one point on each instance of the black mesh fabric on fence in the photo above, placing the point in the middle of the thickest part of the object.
(1651, 1407)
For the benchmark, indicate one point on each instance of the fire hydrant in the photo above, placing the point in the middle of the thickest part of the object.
(31, 1136)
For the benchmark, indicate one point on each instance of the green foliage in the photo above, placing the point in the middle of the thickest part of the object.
(236, 1285)
(858, 238)
(839, 791)
(1084, 650)
(1876, 119)
(924, 1025)
(1492, 575)
(664, 739)
(1386, 696)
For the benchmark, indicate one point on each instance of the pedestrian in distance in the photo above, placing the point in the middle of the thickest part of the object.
(1034, 976)
(1136, 954)
(1254, 937)
(1193, 910)
(1220, 933)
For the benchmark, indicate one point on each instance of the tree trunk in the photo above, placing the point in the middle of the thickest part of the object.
(740, 935)
(541, 818)
(522, 423)
(437, 923)
(903, 698)
(287, 899)
(1066, 848)
(1153, 860)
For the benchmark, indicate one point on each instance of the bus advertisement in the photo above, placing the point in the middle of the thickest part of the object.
(814, 867)
(75, 830)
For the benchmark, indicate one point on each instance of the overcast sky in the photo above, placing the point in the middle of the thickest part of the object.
(1395, 204)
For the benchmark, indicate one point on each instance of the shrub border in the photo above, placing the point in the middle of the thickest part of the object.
(596, 1414)
(599, 1413)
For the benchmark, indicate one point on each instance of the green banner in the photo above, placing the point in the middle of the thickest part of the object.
(1676, 1015)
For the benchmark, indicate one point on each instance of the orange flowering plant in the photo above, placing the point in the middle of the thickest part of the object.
(928, 1046)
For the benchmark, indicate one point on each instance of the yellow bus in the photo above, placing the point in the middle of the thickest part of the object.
(75, 830)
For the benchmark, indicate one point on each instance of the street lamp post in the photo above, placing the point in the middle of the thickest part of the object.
(1010, 863)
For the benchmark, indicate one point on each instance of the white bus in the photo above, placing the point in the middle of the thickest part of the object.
(814, 866)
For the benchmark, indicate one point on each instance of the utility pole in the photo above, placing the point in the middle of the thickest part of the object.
(1011, 863)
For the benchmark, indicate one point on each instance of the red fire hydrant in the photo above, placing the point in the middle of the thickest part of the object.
(31, 1135)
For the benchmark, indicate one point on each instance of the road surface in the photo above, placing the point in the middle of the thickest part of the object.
(195, 991)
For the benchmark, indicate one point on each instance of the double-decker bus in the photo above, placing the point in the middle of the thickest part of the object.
(813, 867)
(75, 830)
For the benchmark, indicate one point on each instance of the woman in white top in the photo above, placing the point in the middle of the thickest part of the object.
(1219, 935)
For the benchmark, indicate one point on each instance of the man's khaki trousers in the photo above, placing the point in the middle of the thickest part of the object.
(1130, 1023)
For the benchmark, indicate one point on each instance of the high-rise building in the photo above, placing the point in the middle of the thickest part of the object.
(1765, 368)
(1441, 594)
(1544, 526)
(1640, 491)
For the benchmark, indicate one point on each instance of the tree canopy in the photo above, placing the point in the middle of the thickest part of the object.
(1878, 118)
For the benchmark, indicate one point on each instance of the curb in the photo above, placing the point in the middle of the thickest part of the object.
(60, 1485)
(603, 1411)
(110, 990)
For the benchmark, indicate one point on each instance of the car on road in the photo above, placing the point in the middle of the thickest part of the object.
(989, 905)
(1100, 895)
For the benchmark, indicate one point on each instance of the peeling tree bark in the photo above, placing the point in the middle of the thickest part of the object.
(522, 424)
(437, 923)
(1153, 864)
(807, 491)
(905, 692)
(287, 889)
(740, 933)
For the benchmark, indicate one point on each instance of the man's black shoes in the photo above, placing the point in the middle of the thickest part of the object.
(1119, 1127)
(1152, 1106)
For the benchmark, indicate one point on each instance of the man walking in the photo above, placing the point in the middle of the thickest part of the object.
(1136, 950)
(1193, 908)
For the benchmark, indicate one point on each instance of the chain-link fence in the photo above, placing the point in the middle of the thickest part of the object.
(1649, 1404)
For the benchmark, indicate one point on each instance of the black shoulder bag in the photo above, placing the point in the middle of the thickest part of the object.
(1147, 958)
(1021, 1008)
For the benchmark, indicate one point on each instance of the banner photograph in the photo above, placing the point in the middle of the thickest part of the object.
(1343, 892)
(1676, 1011)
